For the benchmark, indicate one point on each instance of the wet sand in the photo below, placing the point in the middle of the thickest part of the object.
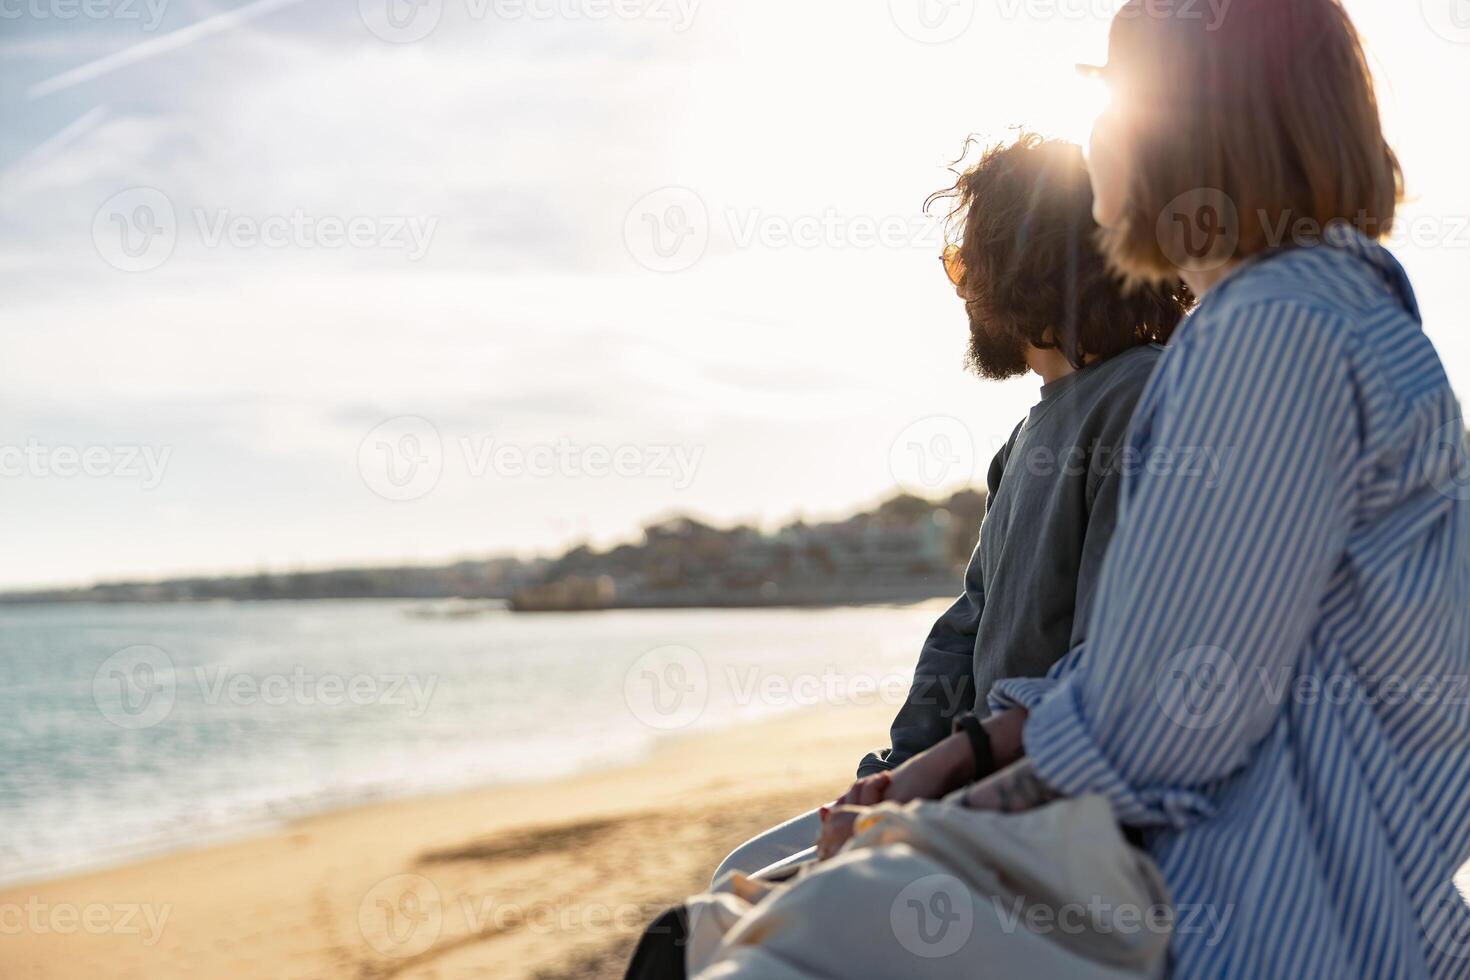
(550, 881)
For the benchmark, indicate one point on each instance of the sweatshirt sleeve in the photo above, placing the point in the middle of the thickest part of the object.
(944, 680)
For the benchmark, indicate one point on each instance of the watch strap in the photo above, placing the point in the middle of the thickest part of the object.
(979, 743)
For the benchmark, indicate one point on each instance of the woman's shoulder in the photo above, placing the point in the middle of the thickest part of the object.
(1347, 314)
(1345, 276)
(1349, 296)
(1271, 317)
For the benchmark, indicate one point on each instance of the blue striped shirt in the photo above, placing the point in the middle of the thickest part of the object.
(1273, 680)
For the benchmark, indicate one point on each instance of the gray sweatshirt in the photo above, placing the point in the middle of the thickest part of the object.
(1052, 507)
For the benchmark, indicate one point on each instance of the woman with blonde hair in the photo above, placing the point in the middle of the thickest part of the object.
(1270, 683)
(1270, 693)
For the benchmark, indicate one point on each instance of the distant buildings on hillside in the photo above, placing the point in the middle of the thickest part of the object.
(908, 548)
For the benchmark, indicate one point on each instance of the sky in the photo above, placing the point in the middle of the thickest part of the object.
(289, 284)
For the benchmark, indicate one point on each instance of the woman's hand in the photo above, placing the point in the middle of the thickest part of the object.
(1014, 789)
(837, 829)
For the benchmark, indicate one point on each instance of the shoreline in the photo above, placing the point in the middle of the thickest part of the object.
(261, 827)
(838, 599)
(551, 879)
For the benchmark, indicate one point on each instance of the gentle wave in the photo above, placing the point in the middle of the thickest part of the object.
(131, 731)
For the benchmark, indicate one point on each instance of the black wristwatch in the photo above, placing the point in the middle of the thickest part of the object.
(979, 743)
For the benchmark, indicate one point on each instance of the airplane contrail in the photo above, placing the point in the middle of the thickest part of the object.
(153, 47)
(73, 131)
(46, 149)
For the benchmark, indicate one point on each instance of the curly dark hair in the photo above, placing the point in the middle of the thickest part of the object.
(1033, 271)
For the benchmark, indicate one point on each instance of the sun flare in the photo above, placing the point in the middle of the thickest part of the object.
(1068, 109)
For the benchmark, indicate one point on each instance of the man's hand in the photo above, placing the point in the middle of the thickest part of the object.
(867, 791)
(942, 769)
(934, 772)
(837, 829)
(927, 776)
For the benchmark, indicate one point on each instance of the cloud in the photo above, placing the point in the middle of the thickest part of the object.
(526, 142)
(158, 46)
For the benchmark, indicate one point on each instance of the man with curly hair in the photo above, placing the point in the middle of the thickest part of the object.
(1040, 298)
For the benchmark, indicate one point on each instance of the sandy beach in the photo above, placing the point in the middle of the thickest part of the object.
(549, 881)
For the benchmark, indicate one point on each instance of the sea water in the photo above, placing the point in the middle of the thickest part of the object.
(128, 730)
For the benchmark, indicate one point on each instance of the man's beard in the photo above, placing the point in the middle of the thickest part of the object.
(993, 354)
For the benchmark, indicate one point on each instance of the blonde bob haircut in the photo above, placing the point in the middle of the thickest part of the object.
(1247, 131)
